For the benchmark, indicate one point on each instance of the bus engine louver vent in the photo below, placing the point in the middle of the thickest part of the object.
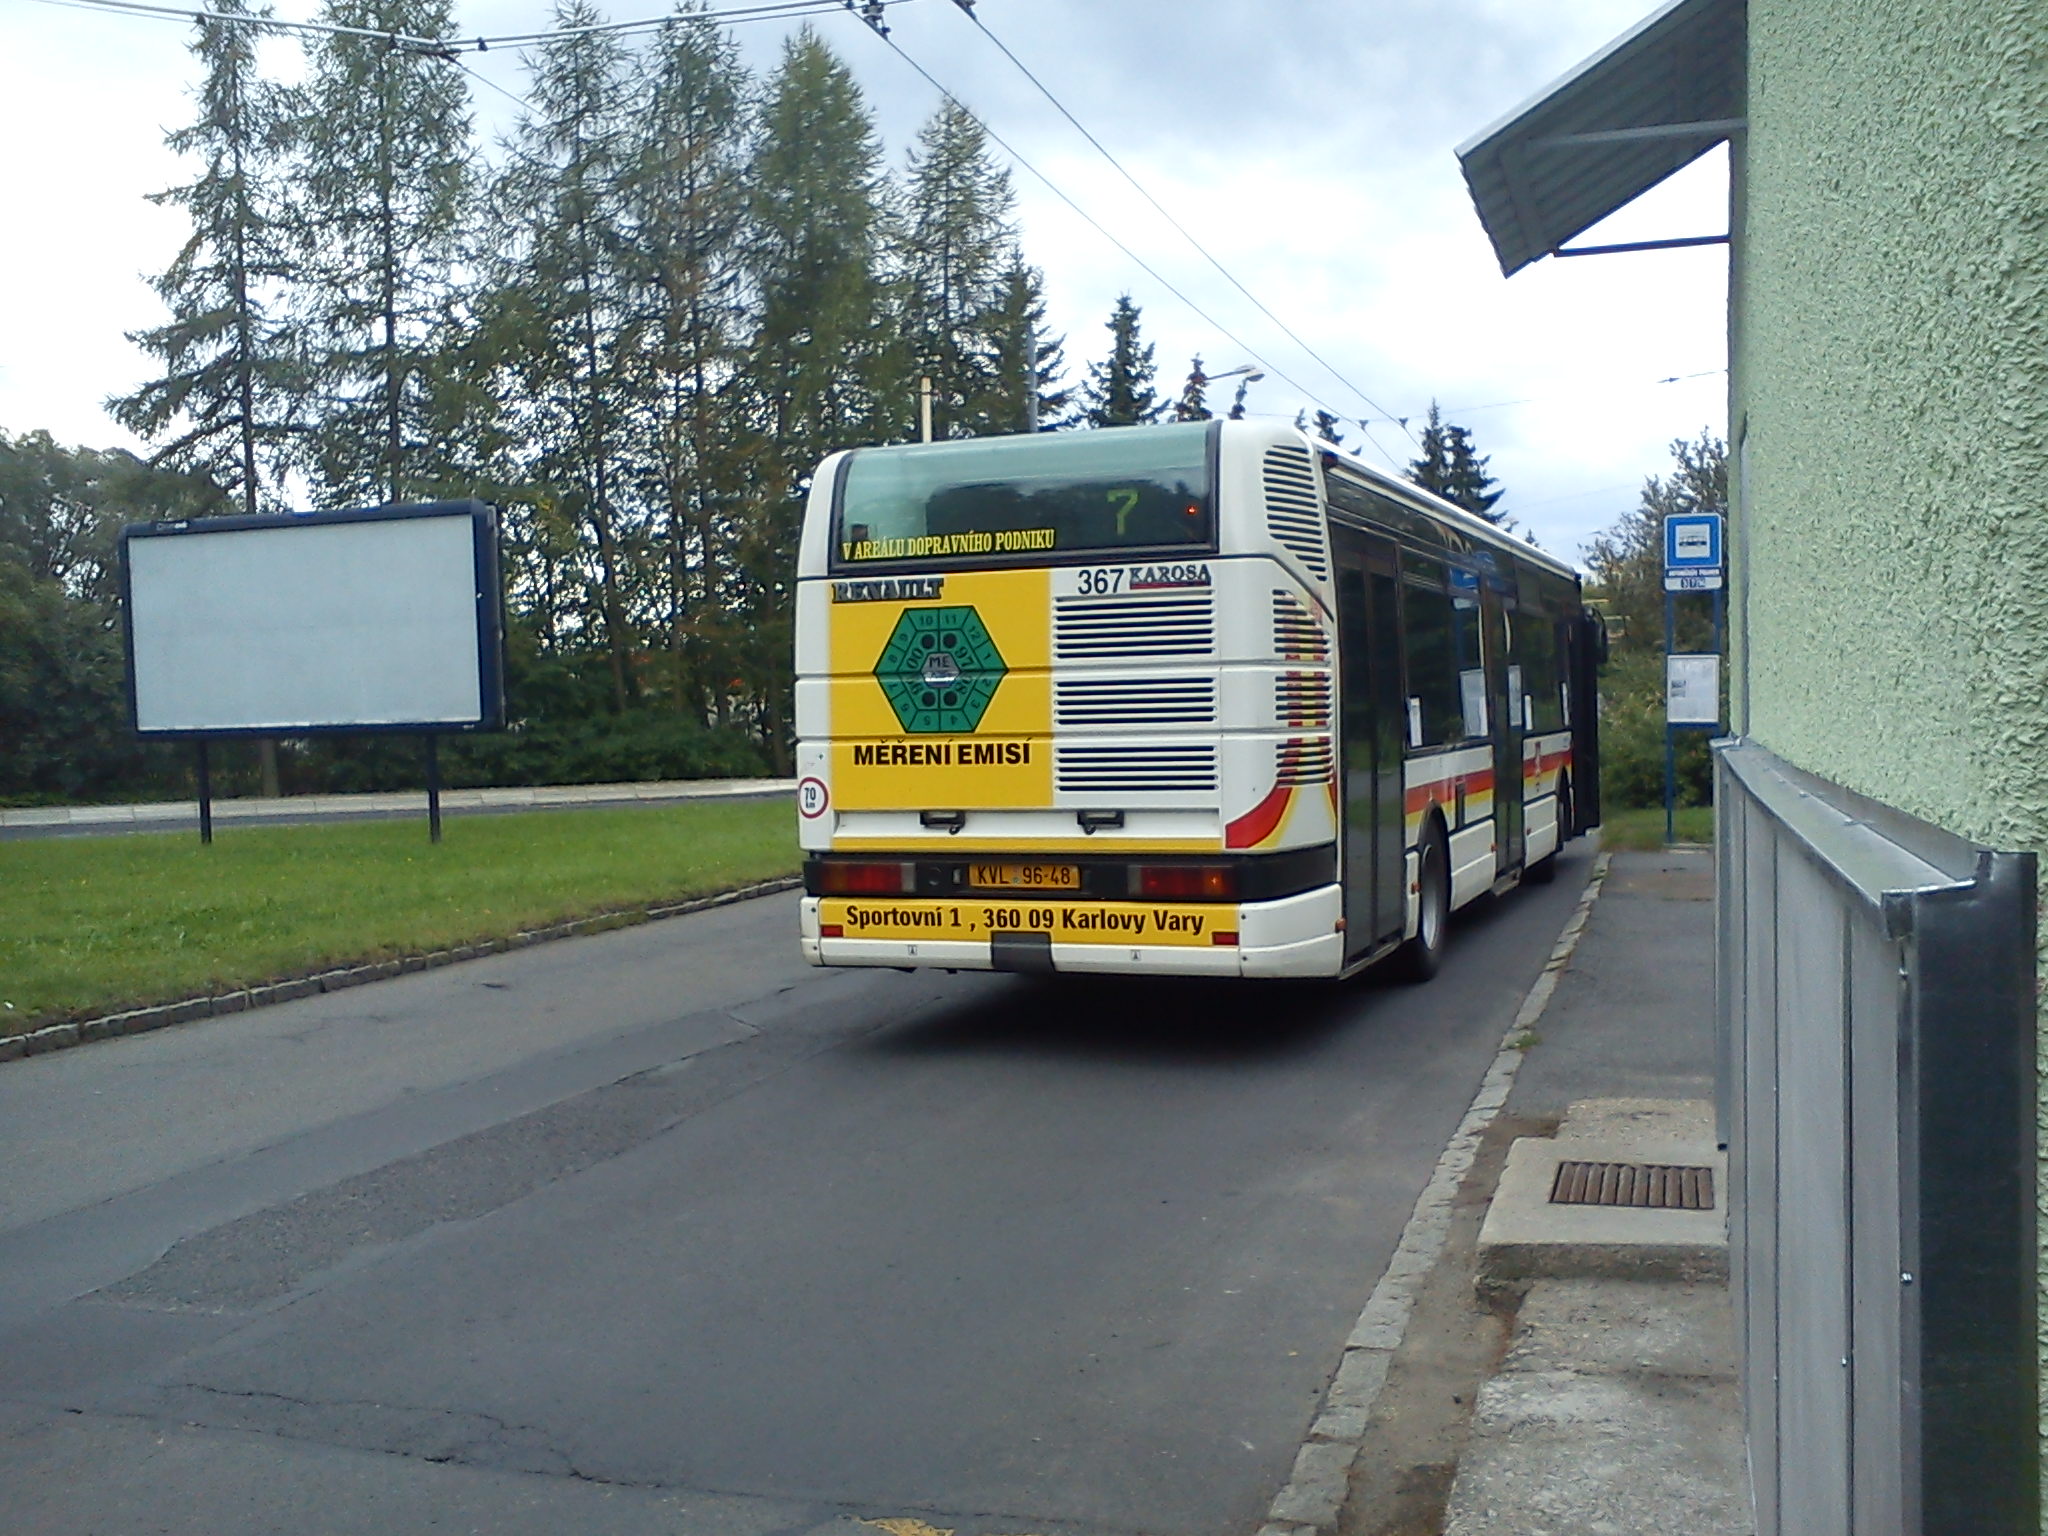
(1294, 514)
(1305, 762)
(1118, 701)
(1296, 634)
(1133, 770)
(1090, 629)
(1302, 699)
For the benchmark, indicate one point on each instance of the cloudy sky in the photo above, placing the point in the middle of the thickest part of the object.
(1308, 144)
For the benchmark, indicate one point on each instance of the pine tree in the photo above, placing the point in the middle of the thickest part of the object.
(1119, 391)
(687, 192)
(385, 174)
(562, 309)
(957, 244)
(228, 389)
(1450, 467)
(1192, 404)
(1329, 426)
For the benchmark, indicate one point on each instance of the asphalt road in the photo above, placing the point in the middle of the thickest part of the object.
(662, 1231)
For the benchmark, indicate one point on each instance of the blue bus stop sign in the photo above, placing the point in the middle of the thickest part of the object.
(1692, 542)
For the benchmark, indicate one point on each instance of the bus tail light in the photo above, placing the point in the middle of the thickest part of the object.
(849, 877)
(1187, 882)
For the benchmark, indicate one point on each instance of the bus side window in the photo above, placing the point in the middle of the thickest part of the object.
(1471, 657)
(1436, 707)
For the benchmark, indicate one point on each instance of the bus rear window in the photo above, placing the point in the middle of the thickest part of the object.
(1043, 496)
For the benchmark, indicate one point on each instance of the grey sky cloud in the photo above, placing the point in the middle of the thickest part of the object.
(1309, 144)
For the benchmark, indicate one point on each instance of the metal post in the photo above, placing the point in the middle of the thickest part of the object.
(1720, 645)
(1670, 731)
(1030, 378)
(924, 408)
(205, 794)
(433, 787)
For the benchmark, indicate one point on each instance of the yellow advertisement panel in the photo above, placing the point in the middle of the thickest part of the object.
(940, 693)
(1065, 922)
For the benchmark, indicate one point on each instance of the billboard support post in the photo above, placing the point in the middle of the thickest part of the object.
(433, 787)
(205, 794)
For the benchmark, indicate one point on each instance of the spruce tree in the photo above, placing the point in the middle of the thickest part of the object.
(1193, 402)
(1451, 467)
(956, 243)
(1028, 363)
(385, 175)
(225, 399)
(1119, 391)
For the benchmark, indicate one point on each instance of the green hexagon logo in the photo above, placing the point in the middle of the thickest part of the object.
(939, 670)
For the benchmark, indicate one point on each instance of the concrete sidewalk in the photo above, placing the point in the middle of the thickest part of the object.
(183, 815)
(1616, 1407)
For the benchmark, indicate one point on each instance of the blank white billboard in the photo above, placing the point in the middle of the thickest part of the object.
(326, 622)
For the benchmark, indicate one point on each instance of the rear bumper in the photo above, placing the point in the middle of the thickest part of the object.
(1293, 936)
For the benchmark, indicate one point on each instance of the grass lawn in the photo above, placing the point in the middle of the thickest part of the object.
(1643, 831)
(93, 924)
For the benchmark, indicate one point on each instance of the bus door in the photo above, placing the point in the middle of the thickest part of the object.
(1505, 689)
(1373, 712)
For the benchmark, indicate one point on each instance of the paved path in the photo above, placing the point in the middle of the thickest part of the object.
(1617, 1406)
(183, 815)
(662, 1231)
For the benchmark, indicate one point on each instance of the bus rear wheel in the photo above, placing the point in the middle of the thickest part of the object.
(1423, 956)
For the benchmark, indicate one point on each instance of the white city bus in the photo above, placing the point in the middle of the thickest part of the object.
(1209, 698)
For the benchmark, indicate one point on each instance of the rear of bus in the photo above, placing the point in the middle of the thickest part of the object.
(1064, 703)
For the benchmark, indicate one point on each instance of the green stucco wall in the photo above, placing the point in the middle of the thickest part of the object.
(1890, 403)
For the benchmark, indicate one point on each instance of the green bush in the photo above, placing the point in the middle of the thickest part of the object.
(643, 744)
(1632, 738)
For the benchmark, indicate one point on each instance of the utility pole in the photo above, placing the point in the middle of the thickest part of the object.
(1030, 367)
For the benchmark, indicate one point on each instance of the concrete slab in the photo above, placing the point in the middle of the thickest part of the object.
(1626, 1326)
(1566, 1453)
(1690, 1121)
(1526, 1237)
(1616, 1411)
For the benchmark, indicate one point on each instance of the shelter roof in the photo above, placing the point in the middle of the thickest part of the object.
(1645, 106)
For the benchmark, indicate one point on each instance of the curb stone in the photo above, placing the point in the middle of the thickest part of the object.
(135, 1021)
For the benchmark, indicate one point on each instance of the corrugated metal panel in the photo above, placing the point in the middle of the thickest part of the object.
(1682, 65)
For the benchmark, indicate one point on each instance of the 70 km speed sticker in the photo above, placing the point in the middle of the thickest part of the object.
(812, 798)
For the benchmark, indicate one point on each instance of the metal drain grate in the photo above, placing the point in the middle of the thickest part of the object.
(1655, 1186)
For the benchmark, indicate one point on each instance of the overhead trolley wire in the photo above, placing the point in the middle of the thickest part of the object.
(1499, 405)
(968, 8)
(1097, 226)
(770, 10)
